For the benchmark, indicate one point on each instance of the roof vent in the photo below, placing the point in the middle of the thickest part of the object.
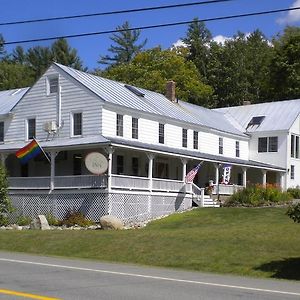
(255, 121)
(134, 90)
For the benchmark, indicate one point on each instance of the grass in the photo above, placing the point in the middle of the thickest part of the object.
(259, 242)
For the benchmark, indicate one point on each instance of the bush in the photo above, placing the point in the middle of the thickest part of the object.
(294, 212)
(52, 221)
(5, 204)
(258, 195)
(3, 220)
(75, 218)
(23, 220)
(294, 192)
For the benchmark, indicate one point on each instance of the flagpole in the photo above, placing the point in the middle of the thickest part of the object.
(43, 151)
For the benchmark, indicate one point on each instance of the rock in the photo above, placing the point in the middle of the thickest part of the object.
(40, 223)
(16, 227)
(111, 222)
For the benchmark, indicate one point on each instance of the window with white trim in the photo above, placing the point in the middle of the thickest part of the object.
(196, 138)
(295, 149)
(292, 174)
(135, 128)
(161, 133)
(184, 137)
(1, 131)
(31, 129)
(237, 148)
(77, 124)
(221, 150)
(268, 144)
(52, 83)
(119, 130)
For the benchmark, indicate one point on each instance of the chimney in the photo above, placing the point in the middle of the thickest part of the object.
(246, 102)
(170, 91)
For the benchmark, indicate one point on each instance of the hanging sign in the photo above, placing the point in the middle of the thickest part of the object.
(96, 163)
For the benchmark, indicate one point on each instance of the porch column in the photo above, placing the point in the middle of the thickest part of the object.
(282, 180)
(244, 177)
(217, 179)
(184, 162)
(3, 158)
(150, 169)
(264, 178)
(52, 172)
(109, 151)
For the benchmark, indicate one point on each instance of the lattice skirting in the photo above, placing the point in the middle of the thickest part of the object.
(130, 207)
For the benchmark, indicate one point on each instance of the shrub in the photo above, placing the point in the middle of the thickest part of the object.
(52, 221)
(294, 192)
(76, 218)
(5, 204)
(23, 220)
(258, 195)
(294, 212)
(3, 220)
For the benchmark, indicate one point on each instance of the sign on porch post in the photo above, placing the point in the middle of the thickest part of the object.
(96, 163)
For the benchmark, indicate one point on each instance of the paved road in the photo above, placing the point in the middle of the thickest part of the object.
(51, 278)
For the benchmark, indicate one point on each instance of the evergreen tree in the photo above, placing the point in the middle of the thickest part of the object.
(125, 46)
(62, 53)
(2, 49)
(197, 40)
(19, 55)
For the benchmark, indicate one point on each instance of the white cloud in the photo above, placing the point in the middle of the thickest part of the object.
(221, 39)
(179, 43)
(292, 16)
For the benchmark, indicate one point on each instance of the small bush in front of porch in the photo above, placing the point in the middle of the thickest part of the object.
(258, 195)
(52, 221)
(5, 204)
(73, 218)
(294, 212)
(23, 220)
(294, 192)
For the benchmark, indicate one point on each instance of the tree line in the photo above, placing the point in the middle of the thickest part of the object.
(243, 68)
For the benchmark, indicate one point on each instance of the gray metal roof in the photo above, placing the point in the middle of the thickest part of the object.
(9, 98)
(152, 102)
(194, 154)
(278, 115)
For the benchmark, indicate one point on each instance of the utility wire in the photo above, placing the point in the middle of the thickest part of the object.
(154, 26)
(114, 12)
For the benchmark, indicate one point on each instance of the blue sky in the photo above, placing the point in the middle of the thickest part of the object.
(90, 48)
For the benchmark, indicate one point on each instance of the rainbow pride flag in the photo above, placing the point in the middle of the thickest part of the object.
(29, 151)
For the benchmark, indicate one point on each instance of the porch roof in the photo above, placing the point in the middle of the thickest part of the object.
(59, 143)
(193, 154)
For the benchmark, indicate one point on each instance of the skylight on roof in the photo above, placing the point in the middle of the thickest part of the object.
(255, 121)
(134, 90)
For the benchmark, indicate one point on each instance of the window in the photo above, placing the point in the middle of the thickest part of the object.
(77, 124)
(52, 85)
(120, 164)
(268, 144)
(262, 144)
(273, 144)
(1, 131)
(292, 145)
(135, 166)
(184, 137)
(297, 147)
(292, 172)
(195, 139)
(119, 125)
(135, 128)
(77, 159)
(237, 149)
(220, 145)
(30, 129)
(161, 133)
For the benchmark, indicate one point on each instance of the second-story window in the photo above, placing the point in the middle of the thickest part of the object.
(237, 149)
(77, 124)
(52, 85)
(268, 144)
(273, 144)
(135, 128)
(1, 131)
(184, 137)
(292, 172)
(196, 139)
(31, 129)
(119, 125)
(220, 145)
(161, 133)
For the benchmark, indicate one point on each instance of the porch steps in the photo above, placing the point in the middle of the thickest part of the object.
(208, 202)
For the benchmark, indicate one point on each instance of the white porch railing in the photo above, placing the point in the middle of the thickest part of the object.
(60, 182)
(29, 182)
(226, 189)
(167, 185)
(129, 182)
(80, 181)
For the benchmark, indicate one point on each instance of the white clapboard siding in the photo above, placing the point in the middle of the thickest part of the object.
(37, 104)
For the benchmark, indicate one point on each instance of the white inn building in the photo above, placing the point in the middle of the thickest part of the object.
(150, 141)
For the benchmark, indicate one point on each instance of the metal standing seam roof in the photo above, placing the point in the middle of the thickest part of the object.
(9, 98)
(279, 115)
(155, 103)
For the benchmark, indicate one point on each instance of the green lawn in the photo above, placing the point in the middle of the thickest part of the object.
(261, 242)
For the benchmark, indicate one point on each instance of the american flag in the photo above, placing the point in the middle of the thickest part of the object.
(191, 174)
